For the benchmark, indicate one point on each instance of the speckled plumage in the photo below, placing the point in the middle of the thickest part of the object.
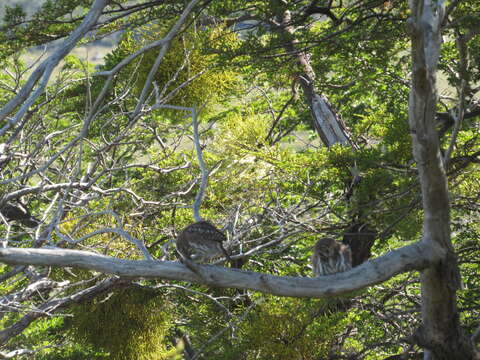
(201, 242)
(330, 257)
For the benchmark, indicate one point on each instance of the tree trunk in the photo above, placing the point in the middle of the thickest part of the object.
(440, 334)
(360, 237)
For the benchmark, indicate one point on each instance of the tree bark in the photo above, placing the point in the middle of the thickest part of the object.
(440, 334)
(413, 257)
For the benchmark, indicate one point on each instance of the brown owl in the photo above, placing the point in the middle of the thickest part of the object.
(201, 242)
(19, 213)
(330, 257)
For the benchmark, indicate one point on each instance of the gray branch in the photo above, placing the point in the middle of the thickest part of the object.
(55, 305)
(26, 97)
(412, 257)
(42, 188)
(203, 168)
(201, 162)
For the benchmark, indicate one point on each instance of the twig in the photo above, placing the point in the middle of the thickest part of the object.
(229, 325)
(203, 167)
(119, 230)
(96, 107)
(56, 305)
(210, 297)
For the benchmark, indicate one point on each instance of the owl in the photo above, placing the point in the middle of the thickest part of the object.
(330, 256)
(201, 242)
(19, 213)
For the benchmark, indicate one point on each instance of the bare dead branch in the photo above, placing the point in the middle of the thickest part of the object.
(26, 97)
(55, 305)
(198, 148)
(412, 257)
(41, 188)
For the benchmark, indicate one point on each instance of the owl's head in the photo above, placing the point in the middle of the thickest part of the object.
(326, 248)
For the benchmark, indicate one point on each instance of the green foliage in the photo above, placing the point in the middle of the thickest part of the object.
(187, 75)
(43, 336)
(128, 324)
(292, 329)
(72, 351)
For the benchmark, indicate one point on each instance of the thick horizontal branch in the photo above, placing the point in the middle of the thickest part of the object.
(412, 257)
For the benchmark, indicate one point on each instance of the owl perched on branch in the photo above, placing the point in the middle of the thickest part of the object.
(330, 257)
(20, 214)
(201, 242)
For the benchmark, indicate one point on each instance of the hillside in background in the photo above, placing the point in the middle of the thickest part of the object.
(28, 5)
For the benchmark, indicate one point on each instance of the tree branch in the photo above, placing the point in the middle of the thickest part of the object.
(198, 148)
(44, 70)
(55, 305)
(412, 257)
(458, 117)
(203, 168)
